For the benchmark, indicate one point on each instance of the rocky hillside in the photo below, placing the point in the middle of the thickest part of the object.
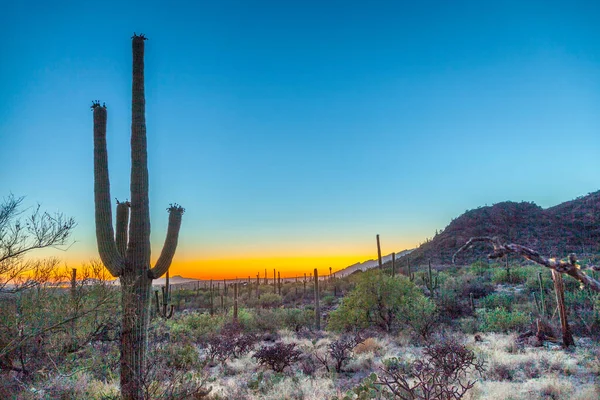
(570, 227)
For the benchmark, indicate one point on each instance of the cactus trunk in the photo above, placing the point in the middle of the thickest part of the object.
(379, 253)
(126, 255)
(317, 307)
(235, 302)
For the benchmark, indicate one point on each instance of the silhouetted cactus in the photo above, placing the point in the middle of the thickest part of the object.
(317, 307)
(379, 253)
(126, 252)
(409, 274)
(164, 310)
(235, 302)
(430, 281)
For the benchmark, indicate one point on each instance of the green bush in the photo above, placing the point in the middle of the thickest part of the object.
(480, 268)
(516, 276)
(502, 320)
(385, 302)
(269, 300)
(495, 300)
(194, 326)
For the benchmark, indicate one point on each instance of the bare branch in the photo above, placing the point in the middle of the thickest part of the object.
(569, 267)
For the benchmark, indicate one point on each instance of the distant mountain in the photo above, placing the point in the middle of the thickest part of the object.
(175, 280)
(365, 265)
(570, 227)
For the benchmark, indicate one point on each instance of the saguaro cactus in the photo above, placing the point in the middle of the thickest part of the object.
(126, 252)
(164, 310)
(379, 253)
(431, 281)
(317, 307)
(235, 302)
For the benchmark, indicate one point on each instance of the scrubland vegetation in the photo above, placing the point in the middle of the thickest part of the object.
(383, 337)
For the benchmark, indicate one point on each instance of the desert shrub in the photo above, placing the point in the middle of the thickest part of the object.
(480, 268)
(495, 300)
(501, 320)
(194, 326)
(442, 374)
(500, 372)
(339, 352)
(278, 356)
(369, 345)
(585, 305)
(178, 356)
(295, 318)
(468, 325)
(450, 301)
(266, 320)
(269, 300)
(531, 278)
(230, 342)
(420, 316)
(328, 300)
(382, 301)
(516, 276)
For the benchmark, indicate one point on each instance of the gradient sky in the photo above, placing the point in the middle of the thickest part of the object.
(294, 131)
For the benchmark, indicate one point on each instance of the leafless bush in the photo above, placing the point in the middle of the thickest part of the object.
(443, 374)
(339, 351)
(278, 356)
(231, 342)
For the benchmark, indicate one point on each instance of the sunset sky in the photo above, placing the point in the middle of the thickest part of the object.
(293, 132)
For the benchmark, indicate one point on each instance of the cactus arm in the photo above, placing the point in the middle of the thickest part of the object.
(168, 250)
(139, 224)
(121, 227)
(104, 229)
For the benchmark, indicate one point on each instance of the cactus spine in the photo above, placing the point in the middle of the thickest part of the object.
(317, 307)
(126, 252)
(165, 311)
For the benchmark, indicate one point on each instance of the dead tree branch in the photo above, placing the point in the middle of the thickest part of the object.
(569, 267)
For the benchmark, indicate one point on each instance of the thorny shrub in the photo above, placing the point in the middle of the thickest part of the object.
(442, 374)
(231, 342)
(339, 352)
(278, 356)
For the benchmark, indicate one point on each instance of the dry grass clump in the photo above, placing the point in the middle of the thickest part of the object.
(370, 345)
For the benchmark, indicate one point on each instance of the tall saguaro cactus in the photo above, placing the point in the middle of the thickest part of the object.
(125, 251)
(317, 307)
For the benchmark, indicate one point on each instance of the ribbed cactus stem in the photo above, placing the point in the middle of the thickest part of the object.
(279, 282)
(274, 281)
(393, 265)
(317, 307)
(126, 253)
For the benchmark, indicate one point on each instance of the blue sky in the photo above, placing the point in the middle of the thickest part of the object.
(302, 129)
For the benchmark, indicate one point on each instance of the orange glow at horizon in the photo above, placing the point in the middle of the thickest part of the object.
(244, 267)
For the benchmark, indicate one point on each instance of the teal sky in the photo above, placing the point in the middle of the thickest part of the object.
(304, 127)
